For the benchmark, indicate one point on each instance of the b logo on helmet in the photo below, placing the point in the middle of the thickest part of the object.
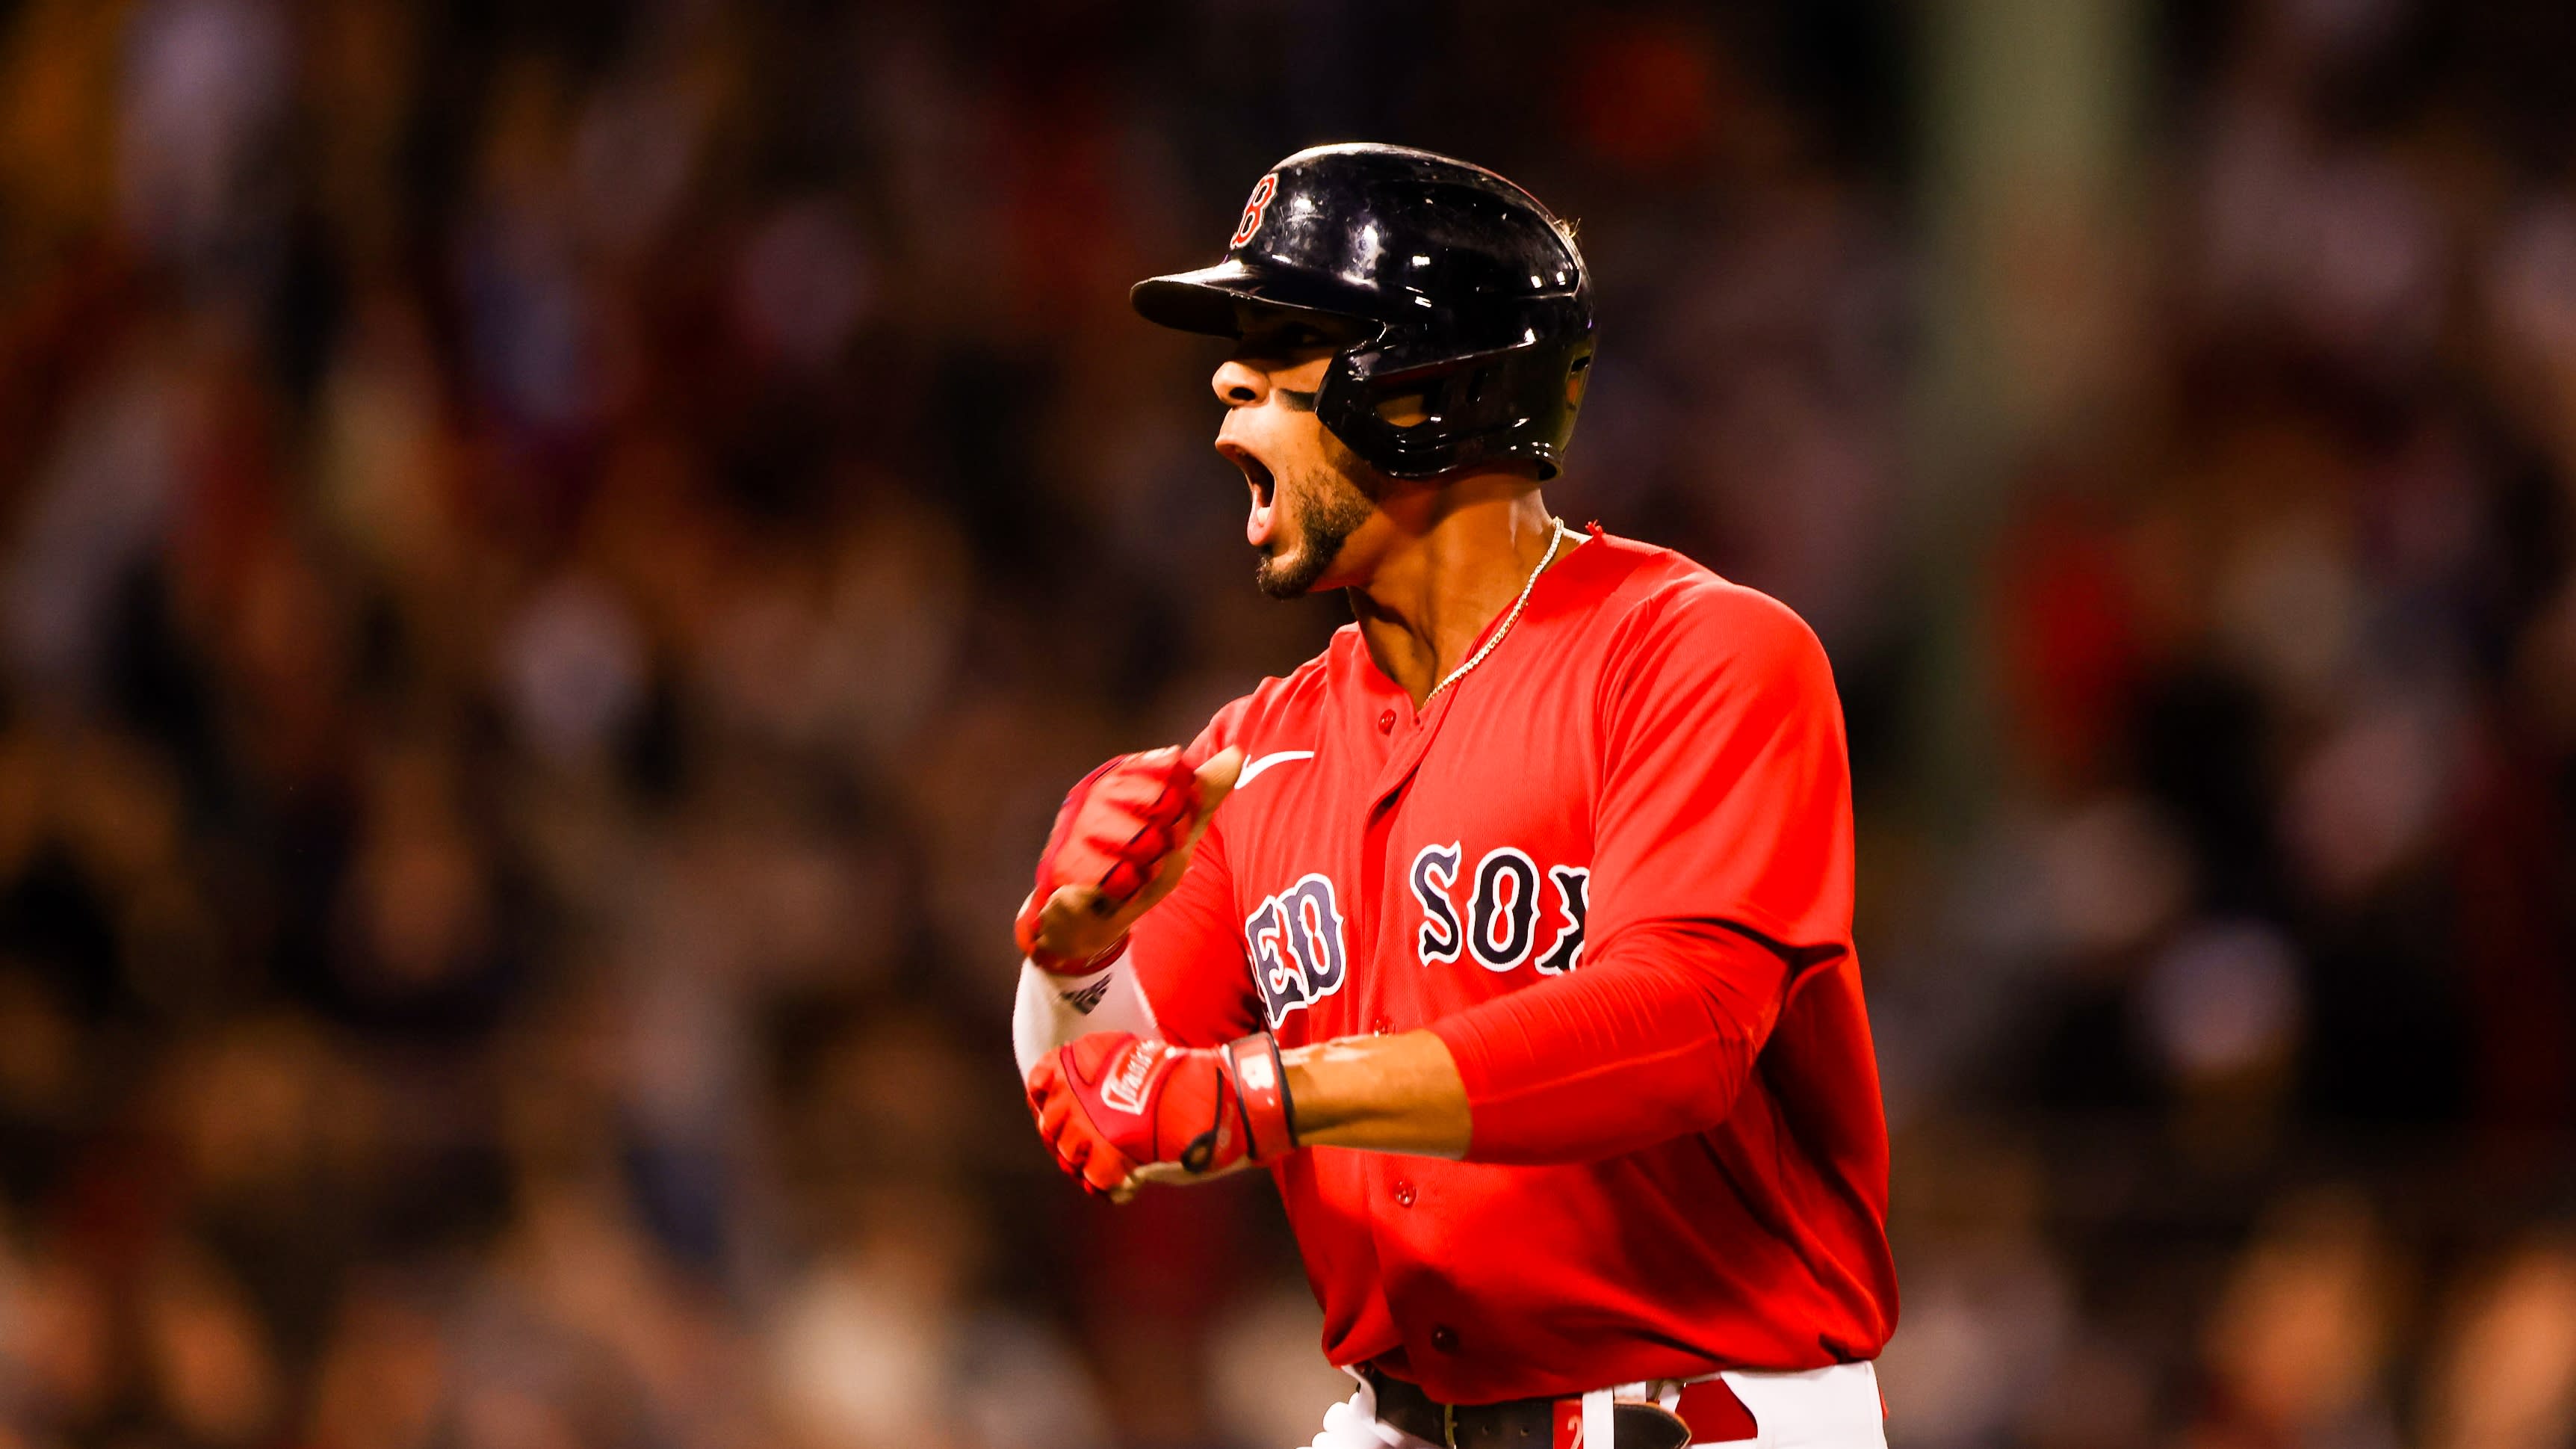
(1262, 190)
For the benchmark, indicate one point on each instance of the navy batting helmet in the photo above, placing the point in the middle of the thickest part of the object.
(1460, 288)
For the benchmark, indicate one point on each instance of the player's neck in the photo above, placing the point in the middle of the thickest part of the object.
(1459, 558)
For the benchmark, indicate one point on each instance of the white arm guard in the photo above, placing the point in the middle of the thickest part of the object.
(1053, 1010)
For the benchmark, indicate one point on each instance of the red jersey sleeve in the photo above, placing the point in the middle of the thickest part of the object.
(1725, 786)
(1187, 952)
(1721, 868)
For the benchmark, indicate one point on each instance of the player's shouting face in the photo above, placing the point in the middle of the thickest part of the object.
(1310, 493)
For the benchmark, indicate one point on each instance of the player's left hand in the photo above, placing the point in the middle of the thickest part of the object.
(1121, 842)
(1120, 1109)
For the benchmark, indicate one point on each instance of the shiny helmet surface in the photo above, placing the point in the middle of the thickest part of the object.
(1450, 284)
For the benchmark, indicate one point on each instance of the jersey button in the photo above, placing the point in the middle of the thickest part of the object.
(1381, 1026)
(1386, 722)
(1403, 1193)
(1444, 1338)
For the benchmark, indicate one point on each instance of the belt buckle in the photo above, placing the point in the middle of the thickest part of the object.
(1449, 1426)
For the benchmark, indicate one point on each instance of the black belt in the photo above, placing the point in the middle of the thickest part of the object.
(1515, 1423)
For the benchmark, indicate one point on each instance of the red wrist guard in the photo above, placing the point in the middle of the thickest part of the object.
(1261, 1092)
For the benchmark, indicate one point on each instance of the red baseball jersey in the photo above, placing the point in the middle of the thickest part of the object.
(1650, 752)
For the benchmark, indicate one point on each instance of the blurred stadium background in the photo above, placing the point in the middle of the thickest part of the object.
(556, 556)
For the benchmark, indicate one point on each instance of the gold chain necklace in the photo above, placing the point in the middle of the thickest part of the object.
(1562, 533)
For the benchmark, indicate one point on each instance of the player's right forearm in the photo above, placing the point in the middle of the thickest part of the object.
(1396, 1093)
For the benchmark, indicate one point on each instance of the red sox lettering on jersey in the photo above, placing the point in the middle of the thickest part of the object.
(1646, 781)
(1504, 911)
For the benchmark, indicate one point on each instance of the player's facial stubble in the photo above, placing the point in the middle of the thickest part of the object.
(1318, 492)
(1323, 505)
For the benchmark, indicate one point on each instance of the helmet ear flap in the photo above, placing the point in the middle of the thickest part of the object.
(1420, 424)
(1358, 411)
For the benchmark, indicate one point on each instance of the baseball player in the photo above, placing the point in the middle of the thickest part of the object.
(1520, 950)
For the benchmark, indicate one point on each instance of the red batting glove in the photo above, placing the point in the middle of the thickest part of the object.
(1115, 832)
(1112, 1103)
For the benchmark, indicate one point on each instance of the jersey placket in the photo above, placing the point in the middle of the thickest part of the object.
(1385, 803)
(1402, 1185)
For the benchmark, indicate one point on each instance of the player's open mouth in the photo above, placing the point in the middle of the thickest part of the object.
(1265, 492)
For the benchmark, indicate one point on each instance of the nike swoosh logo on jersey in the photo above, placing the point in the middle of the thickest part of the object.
(1266, 761)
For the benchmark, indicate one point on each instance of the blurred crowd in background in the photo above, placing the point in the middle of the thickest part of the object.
(556, 558)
